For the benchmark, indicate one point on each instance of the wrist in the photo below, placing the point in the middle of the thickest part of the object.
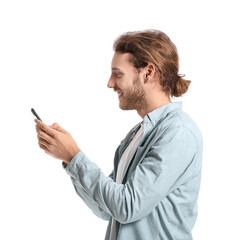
(71, 156)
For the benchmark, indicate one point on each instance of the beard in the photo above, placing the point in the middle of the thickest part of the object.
(133, 98)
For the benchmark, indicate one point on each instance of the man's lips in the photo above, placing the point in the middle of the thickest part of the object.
(119, 93)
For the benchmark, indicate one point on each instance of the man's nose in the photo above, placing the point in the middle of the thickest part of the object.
(110, 83)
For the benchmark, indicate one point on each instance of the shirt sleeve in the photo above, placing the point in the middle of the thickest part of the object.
(164, 162)
(87, 199)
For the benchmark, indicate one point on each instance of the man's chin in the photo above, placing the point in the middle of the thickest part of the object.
(125, 107)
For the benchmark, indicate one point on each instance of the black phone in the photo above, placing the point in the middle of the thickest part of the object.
(35, 114)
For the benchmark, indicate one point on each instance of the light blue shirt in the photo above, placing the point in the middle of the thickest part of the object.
(157, 199)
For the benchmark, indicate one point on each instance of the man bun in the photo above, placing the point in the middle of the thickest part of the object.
(180, 86)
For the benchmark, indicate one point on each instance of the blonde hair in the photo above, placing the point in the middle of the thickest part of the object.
(156, 47)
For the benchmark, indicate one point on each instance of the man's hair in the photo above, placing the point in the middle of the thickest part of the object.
(153, 46)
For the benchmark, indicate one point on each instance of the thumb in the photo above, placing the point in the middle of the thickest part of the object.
(57, 127)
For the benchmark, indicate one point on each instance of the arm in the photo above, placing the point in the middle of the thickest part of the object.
(58, 143)
(151, 181)
(89, 201)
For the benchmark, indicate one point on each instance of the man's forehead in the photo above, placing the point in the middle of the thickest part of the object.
(120, 61)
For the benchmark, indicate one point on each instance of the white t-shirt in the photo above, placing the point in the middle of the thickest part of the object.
(122, 167)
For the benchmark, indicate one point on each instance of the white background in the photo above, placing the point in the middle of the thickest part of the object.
(55, 56)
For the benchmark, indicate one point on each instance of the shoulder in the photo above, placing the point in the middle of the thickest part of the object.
(178, 121)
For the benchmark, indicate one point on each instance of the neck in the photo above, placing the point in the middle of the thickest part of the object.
(153, 103)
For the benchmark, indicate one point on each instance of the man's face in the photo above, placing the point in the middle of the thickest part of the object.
(126, 81)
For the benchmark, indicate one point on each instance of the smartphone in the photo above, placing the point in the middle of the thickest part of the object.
(35, 114)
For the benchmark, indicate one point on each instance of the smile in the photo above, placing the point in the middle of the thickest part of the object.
(120, 94)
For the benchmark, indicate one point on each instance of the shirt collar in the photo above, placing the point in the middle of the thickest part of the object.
(151, 119)
(157, 114)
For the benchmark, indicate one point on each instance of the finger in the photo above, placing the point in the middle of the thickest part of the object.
(57, 127)
(46, 150)
(43, 147)
(43, 142)
(38, 129)
(42, 134)
(45, 136)
(45, 128)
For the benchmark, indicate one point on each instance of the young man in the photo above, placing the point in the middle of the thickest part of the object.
(152, 191)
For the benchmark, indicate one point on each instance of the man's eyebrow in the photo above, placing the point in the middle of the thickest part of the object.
(114, 68)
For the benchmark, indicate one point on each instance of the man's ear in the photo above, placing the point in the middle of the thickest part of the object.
(149, 72)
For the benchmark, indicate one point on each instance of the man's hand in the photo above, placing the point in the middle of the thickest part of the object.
(56, 141)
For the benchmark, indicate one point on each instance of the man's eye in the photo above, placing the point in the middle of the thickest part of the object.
(118, 75)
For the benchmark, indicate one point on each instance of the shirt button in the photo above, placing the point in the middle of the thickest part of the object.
(153, 122)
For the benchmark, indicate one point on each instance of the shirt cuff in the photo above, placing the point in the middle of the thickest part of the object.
(75, 164)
